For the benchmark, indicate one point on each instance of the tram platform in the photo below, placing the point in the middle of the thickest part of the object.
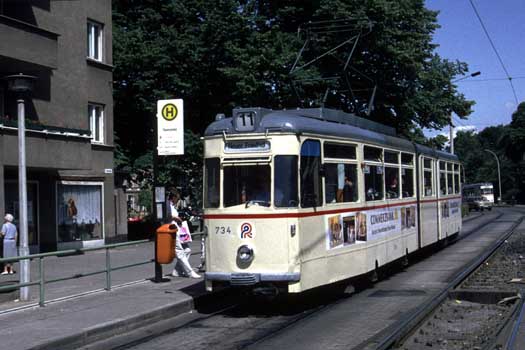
(73, 323)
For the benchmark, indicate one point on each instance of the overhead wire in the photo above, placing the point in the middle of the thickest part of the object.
(495, 50)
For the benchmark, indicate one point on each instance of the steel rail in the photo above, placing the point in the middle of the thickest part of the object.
(405, 326)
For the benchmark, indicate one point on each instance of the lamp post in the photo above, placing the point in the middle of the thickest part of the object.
(499, 173)
(451, 123)
(22, 85)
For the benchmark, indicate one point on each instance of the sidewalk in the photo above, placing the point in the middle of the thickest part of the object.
(68, 324)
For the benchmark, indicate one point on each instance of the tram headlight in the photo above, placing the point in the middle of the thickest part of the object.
(245, 254)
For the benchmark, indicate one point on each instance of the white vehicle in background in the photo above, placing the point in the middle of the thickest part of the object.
(479, 196)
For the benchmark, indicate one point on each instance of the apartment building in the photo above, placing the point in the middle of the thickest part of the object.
(67, 46)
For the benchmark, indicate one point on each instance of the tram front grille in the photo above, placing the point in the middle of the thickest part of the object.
(244, 279)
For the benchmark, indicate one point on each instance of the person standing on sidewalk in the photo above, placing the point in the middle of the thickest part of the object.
(10, 235)
(182, 250)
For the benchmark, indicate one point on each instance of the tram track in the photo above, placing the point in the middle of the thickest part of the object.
(398, 336)
(239, 322)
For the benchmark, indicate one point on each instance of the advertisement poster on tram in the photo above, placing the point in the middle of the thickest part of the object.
(408, 217)
(382, 222)
(455, 207)
(359, 227)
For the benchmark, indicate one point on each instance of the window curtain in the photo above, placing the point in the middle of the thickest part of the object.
(86, 199)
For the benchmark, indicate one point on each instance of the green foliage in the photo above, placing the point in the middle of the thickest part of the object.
(507, 142)
(217, 55)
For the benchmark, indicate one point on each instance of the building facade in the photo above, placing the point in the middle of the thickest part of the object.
(67, 45)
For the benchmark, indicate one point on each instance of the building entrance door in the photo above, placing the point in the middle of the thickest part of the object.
(12, 207)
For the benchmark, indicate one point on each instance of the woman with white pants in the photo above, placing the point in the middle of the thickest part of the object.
(182, 250)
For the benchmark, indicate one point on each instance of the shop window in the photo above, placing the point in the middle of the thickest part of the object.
(79, 208)
(341, 183)
(310, 173)
(285, 177)
(94, 40)
(212, 178)
(96, 122)
(373, 182)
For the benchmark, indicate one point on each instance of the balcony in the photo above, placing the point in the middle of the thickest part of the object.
(26, 42)
(47, 146)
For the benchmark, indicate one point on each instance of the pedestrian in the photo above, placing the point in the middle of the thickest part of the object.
(182, 266)
(10, 235)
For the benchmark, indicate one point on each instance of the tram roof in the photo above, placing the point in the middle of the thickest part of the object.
(322, 121)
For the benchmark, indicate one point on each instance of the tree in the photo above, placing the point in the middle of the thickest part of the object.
(217, 55)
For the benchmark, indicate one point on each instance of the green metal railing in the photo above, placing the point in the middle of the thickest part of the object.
(42, 282)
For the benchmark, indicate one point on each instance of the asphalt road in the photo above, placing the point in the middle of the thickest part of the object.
(323, 320)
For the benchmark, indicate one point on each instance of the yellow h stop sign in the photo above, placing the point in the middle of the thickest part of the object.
(169, 111)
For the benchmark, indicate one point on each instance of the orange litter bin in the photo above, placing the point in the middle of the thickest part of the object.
(166, 243)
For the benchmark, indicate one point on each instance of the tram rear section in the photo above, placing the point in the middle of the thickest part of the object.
(300, 199)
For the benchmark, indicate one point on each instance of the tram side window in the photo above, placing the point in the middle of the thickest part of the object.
(427, 177)
(212, 176)
(285, 177)
(457, 178)
(373, 182)
(407, 178)
(340, 183)
(392, 182)
(450, 182)
(443, 182)
(373, 153)
(311, 185)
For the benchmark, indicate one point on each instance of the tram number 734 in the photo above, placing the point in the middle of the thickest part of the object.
(223, 230)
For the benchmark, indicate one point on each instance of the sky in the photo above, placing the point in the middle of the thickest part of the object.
(461, 37)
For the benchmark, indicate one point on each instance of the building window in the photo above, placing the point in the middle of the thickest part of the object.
(94, 41)
(96, 122)
(79, 211)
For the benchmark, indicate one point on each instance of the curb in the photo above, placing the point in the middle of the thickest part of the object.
(123, 325)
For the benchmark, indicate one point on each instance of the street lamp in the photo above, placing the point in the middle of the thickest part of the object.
(499, 173)
(22, 85)
(451, 123)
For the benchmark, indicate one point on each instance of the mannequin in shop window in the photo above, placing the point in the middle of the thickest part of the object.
(72, 218)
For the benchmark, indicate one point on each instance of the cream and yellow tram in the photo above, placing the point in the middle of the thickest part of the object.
(302, 198)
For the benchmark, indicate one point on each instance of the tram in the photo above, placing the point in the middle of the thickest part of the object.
(296, 199)
(479, 196)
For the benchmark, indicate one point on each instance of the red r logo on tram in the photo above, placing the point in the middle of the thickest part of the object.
(246, 230)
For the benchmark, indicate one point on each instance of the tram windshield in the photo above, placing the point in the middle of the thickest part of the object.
(486, 191)
(247, 184)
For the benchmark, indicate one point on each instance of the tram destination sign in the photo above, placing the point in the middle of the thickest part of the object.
(170, 127)
(246, 146)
